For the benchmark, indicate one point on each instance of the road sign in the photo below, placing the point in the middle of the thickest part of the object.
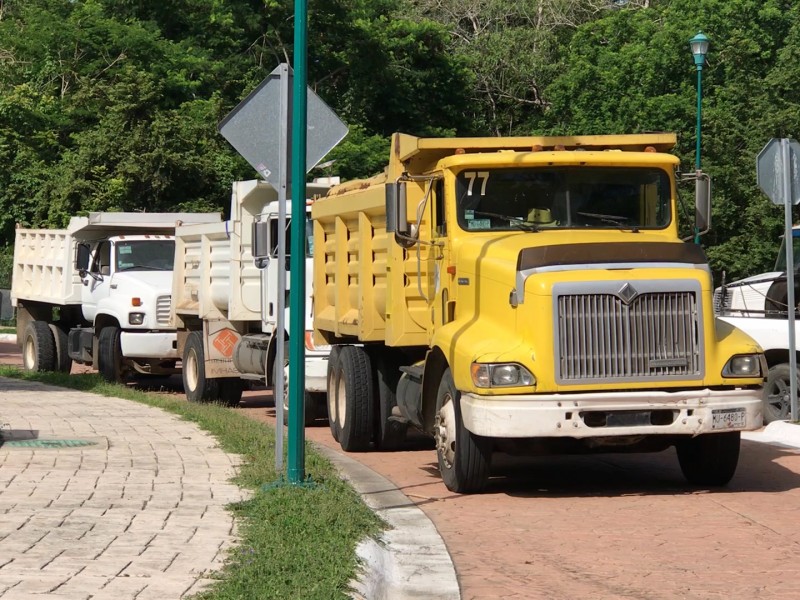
(253, 128)
(771, 164)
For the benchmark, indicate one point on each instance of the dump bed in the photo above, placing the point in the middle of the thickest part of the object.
(44, 259)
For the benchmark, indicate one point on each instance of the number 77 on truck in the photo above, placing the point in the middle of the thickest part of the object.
(528, 295)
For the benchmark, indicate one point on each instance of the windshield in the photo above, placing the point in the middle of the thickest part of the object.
(780, 264)
(273, 232)
(535, 198)
(145, 255)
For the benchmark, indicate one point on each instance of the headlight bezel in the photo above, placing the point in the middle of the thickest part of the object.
(136, 318)
(733, 368)
(501, 375)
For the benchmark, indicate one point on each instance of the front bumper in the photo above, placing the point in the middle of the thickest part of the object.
(316, 372)
(148, 344)
(566, 415)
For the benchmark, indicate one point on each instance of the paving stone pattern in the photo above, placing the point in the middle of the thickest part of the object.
(138, 515)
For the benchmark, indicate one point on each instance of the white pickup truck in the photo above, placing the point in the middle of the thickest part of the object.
(758, 306)
(99, 293)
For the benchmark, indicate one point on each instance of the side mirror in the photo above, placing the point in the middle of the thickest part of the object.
(396, 208)
(82, 254)
(260, 240)
(702, 202)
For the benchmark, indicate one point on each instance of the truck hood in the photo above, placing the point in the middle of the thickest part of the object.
(513, 258)
(140, 282)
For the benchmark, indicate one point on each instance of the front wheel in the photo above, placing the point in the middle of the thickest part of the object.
(309, 402)
(777, 398)
(709, 459)
(109, 359)
(464, 458)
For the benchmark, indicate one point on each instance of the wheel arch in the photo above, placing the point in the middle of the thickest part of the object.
(435, 366)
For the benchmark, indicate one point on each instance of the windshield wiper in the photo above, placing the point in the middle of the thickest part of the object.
(518, 222)
(615, 220)
(148, 267)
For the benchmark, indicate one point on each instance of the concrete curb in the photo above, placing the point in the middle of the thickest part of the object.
(779, 432)
(8, 337)
(410, 560)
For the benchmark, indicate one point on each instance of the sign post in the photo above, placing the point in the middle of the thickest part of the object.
(263, 131)
(778, 173)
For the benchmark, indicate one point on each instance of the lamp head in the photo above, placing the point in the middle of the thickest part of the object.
(699, 46)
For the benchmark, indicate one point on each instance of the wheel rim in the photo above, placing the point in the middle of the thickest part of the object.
(341, 400)
(779, 399)
(445, 431)
(191, 371)
(30, 353)
(286, 387)
(332, 397)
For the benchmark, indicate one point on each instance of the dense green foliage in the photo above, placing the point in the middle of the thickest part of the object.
(114, 104)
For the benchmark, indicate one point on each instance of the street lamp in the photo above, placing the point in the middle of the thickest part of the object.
(699, 46)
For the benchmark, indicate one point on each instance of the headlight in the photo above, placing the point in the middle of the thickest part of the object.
(743, 365)
(136, 318)
(487, 375)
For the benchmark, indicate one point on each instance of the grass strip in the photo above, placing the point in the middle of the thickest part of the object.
(295, 541)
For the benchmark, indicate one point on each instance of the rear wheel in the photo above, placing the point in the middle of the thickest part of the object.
(709, 459)
(38, 347)
(109, 360)
(777, 399)
(230, 390)
(195, 384)
(354, 389)
(464, 458)
(333, 375)
(63, 363)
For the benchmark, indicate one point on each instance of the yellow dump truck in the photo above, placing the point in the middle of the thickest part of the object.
(528, 295)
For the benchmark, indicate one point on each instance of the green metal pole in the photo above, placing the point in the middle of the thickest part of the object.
(697, 147)
(297, 264)
(699, 114)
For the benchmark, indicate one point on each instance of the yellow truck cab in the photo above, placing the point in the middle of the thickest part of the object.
(528, 294)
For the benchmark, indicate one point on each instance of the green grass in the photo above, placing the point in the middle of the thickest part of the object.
(296, 541)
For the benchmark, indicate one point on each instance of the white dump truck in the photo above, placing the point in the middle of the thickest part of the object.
(225, 305)
(99, 293)
(758, 305)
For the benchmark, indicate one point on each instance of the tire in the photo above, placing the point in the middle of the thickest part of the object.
(709, 459)
(354, 399)
(777, 398)
(309, 402)
(333, 374)
(109, 359)
(230, 390)
(63, 363)
(390, 433)
(38, 348)
(195, 384)
(464, 458)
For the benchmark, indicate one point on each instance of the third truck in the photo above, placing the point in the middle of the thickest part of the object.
(528, 295)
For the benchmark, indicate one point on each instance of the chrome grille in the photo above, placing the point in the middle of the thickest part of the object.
(656, 335)
(163, 305)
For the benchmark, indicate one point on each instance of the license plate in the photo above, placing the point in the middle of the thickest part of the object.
(728, 418)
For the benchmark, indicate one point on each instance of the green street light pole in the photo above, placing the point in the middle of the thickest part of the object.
(699, 46)
(296, 453)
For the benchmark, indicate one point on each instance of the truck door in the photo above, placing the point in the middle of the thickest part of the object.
(270, 286)
(97, 280)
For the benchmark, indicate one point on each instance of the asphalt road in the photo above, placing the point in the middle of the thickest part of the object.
(609, 526)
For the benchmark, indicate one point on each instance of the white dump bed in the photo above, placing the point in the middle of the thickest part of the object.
(44, 259)
(43, 267)
(214, 275)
